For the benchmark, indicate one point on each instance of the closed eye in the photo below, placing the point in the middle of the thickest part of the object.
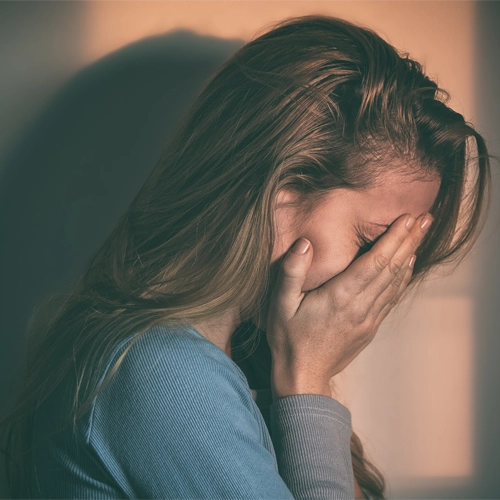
(364, 245)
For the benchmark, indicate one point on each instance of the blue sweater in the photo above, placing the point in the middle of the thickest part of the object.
(178, 420)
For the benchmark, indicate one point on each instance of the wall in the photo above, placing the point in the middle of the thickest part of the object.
(422, 395)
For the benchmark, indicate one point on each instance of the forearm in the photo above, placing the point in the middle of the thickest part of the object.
(311, 435)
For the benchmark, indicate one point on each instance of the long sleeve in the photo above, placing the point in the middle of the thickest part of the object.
(178, 421)
(311, 436)
(311, 433)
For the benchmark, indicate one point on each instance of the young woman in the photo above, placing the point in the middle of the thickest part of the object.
(288, 207)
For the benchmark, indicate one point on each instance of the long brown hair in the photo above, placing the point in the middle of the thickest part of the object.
(314, 103)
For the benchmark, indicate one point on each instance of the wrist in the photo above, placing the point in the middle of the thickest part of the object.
(289, 383)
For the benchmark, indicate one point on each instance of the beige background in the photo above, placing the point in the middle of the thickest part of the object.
(411, 392)
(398, 389)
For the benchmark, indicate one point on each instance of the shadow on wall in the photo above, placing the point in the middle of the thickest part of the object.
(71, 175)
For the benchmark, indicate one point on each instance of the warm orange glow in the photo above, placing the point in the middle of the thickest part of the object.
(441, 30)
(410, 391)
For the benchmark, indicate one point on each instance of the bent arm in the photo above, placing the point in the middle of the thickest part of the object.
(311, 435)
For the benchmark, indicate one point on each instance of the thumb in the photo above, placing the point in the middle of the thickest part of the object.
(287, 293)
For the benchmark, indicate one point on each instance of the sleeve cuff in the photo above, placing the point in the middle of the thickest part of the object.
(304, 403)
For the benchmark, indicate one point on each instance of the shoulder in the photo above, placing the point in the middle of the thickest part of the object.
(177, 420)
(175, 351)
(170, 367)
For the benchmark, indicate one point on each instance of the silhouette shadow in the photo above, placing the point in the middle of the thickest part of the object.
(70, 176)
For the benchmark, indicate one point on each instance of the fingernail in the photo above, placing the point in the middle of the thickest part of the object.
(426, 223)
(301, 246)
(409, 222)
(412, 260)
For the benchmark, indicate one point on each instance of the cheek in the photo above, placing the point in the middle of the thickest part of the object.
(329, 261)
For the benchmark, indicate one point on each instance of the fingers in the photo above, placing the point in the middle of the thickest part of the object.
(287, 293)
(399, 259)
(394, 288)
(369, 266)
(384, 304)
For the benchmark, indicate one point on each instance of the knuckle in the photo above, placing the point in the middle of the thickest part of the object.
(359, 312)
(291, 270)
(398, 280)
(395, 266)
(381, 261)
(367, 323)
(341, 296)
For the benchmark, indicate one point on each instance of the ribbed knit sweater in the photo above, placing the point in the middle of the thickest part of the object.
(178, 421)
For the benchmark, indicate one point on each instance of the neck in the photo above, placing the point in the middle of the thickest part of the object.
(219, 330)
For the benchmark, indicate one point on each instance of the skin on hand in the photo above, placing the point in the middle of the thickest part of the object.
(337, 228)
(345, 218)
(316, 335)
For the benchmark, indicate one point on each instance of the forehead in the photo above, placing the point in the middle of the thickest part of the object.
(394, 196)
